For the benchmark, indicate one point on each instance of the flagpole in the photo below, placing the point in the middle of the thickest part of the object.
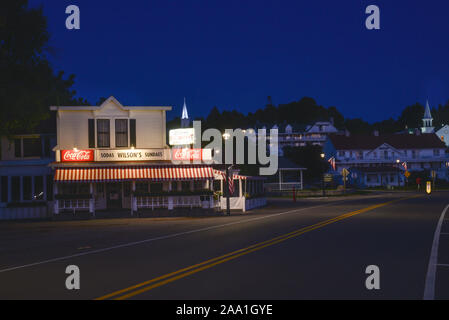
(228, 202)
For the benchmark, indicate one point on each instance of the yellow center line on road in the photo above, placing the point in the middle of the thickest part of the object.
(184, 272)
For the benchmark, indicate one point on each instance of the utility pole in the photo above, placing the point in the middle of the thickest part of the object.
(228, 201)
(322, 155)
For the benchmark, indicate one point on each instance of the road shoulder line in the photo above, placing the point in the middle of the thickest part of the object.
(429, 289)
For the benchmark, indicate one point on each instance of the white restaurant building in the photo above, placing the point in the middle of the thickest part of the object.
(116, 157)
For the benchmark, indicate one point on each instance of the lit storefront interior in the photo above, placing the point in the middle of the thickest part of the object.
(133, 187)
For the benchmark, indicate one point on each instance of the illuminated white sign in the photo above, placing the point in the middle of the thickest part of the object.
(132, 154)
(179, 137)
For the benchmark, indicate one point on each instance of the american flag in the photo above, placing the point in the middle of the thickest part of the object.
(231, 183)
(230, 179)
(404, 164)
(332, 162)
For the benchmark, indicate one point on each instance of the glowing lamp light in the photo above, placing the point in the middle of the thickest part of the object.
(429, 187)
(75, 149)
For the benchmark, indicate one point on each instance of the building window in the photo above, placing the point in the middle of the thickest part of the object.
(185, 185)
(15, 189)
(103, 133)
(47, 147)
(38, 188)
(27, 188)
(121, 132)
(198, 185)
(157, 187)
(436, 152)
(4, 189)
(32, 147)
(100, 189)
(142, 187)
(18, 148)
(49, 180)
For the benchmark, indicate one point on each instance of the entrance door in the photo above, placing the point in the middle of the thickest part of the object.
(114, 195)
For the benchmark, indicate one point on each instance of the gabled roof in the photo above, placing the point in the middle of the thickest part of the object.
(108, 100)
(398, 141)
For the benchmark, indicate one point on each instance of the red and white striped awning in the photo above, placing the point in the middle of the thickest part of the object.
(156, 173)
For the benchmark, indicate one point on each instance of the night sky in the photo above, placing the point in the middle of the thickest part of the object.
(235, 53)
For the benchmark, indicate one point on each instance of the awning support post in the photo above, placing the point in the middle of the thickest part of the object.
(133, 200)
(92, 199)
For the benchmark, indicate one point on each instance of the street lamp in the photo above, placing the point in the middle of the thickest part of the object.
(322, 177)
(226, 136)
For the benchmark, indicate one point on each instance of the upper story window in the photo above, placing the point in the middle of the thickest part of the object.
(27, 147)
(103, 133)
(436, 152)
(121, 132)
(32, 147)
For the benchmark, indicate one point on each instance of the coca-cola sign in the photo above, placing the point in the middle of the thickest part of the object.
(180, 154)
(77, 156)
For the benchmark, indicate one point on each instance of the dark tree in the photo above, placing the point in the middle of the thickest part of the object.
(28, 85)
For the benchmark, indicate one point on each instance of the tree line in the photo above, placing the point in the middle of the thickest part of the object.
(29, 85)
(306, 111)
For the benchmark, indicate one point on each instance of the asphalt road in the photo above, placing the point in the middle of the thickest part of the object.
(312, 249)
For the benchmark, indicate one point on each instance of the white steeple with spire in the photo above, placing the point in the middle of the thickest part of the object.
(185, 122)
(427, 120)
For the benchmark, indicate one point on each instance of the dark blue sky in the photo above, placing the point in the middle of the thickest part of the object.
(235, 53)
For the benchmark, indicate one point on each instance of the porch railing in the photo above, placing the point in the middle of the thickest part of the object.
(171, 202)
(74, 204)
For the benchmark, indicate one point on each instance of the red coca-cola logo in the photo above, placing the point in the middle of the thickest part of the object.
(187, 154)
(77, 156)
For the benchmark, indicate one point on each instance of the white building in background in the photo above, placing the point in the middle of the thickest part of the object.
(296, 136)
(443, 134)
(25, 177)
(427, 121)
(381, 160)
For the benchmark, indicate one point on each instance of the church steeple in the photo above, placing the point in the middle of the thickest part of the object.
(185, 122)
(427, 120)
